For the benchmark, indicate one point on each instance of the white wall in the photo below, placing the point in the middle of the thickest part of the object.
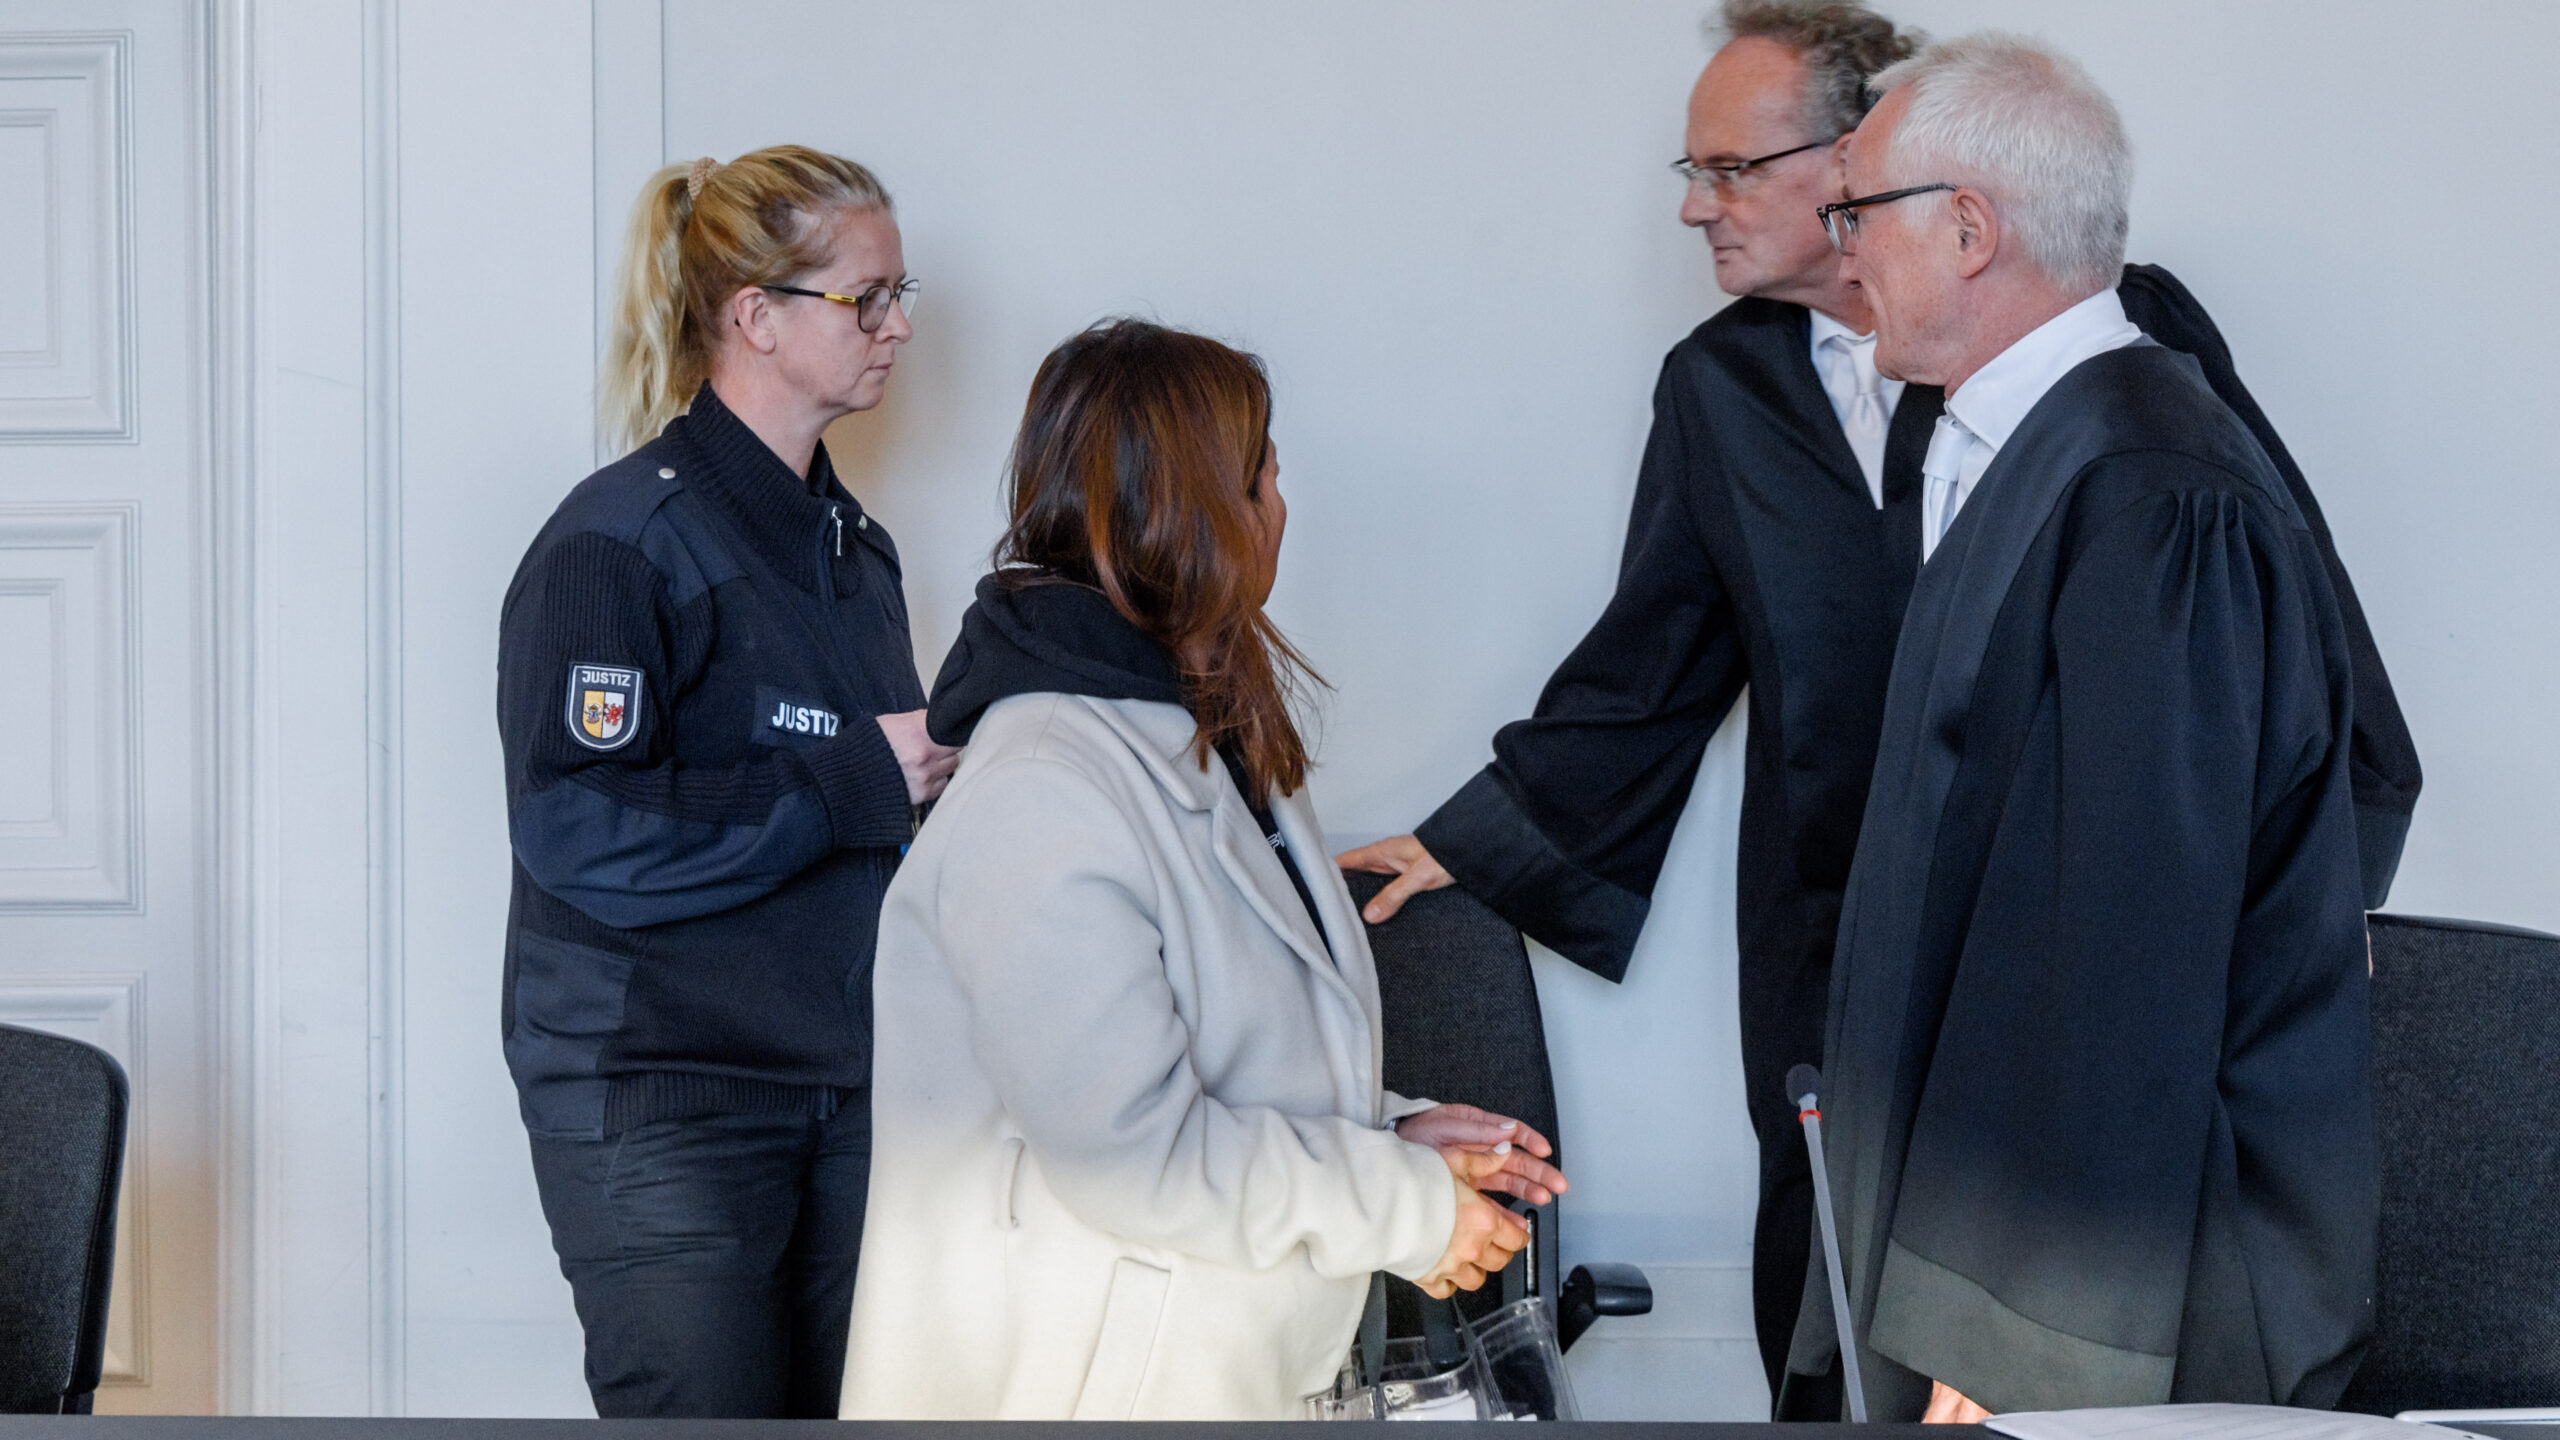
(1450, 231)
(507, 342)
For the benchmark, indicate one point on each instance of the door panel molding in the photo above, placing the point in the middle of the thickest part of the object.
(67, 343)
(70, 767)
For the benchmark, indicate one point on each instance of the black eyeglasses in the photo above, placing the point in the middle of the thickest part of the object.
(1730, 180)
(1840, 217)
(870, 308)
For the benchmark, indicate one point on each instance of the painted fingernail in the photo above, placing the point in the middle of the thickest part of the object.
(1502, 1149)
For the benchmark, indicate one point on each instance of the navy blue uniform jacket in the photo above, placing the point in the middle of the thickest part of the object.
(704, 813)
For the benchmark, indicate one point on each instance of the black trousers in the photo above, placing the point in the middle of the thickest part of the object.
(1782, 1258)
(1784, 995)
(712, 1259)
(1781, 1245)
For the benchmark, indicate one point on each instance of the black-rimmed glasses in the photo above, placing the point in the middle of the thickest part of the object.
(1840, 217)
(1728, 180)
(870, 308)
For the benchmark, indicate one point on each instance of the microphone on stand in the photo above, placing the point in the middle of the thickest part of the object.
(1804, 1087)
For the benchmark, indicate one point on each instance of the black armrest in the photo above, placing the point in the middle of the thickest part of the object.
(1592, 1291)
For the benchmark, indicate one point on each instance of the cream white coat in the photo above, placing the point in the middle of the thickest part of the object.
(1131, 1153)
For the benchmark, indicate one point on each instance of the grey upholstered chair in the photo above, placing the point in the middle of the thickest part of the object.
(1462, 1023)
(62, 1118)
(2466, 1057)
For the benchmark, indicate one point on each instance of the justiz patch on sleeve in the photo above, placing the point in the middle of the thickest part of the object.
(604, 705)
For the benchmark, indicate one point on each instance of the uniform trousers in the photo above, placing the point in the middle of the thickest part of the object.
(712, 1258)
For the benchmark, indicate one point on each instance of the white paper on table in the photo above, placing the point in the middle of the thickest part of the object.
(2211, 1422)
(1461, 1406)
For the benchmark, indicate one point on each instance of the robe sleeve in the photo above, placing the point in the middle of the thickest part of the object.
(1564, 833)
(2060, 1145)
(2383, 760)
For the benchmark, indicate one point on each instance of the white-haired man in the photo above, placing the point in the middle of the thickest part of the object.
(2098, 1093)
(1774, 539)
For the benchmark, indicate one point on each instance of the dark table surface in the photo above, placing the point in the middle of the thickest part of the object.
(257, 1428)
(262, 1428)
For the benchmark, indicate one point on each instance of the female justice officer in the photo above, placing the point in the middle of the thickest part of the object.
(714, 737)
(1135, 1158)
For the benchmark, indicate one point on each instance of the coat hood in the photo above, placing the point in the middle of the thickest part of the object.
(1029, 633)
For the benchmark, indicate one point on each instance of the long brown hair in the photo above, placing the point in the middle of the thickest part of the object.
(701, 232)
(1136, 472)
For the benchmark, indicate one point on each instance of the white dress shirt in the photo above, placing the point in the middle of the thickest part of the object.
(1846, 361)
(1987, 409)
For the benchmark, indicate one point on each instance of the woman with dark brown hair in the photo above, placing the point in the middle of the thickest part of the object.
(1132, 1155)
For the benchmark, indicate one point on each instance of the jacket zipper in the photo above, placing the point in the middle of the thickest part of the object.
(833, 530)
(829, 529)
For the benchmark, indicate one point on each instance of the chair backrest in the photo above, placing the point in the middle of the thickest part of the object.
(2466, 1055)
(1462, 1024)
(1461, 1007)
(62, 1120)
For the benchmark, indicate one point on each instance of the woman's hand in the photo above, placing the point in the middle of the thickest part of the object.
(1947, 1406)
(1495, 1152)
(1484, 1239)
(1403, 857)
(926, 765)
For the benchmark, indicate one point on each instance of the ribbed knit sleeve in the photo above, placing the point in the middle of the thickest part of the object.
(864, 790)
(591, 655)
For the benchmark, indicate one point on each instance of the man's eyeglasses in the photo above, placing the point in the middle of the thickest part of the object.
(870, 308)
(1840, 217)
(1731, 180)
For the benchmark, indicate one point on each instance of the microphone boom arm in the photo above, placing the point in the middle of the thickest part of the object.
(1804, 1087)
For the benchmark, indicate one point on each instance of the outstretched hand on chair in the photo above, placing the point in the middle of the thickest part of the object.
(1403, 857)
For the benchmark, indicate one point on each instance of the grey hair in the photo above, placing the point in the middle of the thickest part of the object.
(2025, 125)
(1843, 45)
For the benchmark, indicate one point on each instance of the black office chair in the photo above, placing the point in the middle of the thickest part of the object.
(2466, 1069)
(62, 1114)
(1462, 1024)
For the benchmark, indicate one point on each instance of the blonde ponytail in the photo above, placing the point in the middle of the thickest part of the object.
(641, 388)
(700, 232)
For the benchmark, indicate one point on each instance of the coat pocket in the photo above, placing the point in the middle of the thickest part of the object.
(1130, 1316)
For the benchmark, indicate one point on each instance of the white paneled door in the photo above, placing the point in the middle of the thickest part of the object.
(106, 720)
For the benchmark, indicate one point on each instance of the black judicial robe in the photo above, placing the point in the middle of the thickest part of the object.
(2097, 1094)
(1756, 556)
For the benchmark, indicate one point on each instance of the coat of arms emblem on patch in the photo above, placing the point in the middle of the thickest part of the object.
(603, 701)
